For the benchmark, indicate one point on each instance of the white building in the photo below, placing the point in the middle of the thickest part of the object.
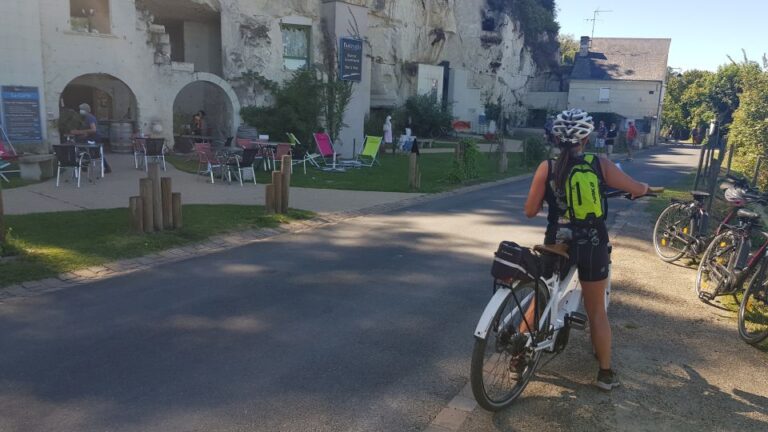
(148, 65)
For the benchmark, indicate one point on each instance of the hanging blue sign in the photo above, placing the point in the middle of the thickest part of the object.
(21, 114)
(351, 59)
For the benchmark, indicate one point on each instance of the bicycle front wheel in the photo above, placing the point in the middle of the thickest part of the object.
(504, 362)
(715, 266)
(673, 222)
(753, 312)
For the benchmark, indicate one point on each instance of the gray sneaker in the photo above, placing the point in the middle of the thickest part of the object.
(607, 380)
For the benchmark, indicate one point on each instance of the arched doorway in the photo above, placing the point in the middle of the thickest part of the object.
(112, 102)
(220, 111)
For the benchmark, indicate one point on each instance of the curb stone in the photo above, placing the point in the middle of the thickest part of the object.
(222, 242)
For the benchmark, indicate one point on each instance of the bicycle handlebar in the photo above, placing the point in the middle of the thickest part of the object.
(652, 192)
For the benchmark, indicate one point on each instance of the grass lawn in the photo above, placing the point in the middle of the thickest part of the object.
(390, 176)
(14, 179)
(51, 243)
(680, 190)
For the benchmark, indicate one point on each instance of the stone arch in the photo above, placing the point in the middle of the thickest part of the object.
(225, 89)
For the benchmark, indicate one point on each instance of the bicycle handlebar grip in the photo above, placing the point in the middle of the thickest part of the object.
(655, 189)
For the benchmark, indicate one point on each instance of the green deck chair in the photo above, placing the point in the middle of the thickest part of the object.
(368, 157)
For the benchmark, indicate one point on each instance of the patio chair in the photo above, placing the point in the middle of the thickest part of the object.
(8, 155)
(263, 154)
(367, 157)
(243, 163)
(324, 147)
(207, 161)
(308, 157)
(154, 148)
(95, 154)
(69, 157)
(138, 151)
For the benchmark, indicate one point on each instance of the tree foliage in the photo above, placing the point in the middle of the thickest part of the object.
(569, 47)
(749, 130)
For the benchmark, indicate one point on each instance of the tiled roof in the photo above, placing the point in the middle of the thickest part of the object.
(624, 59)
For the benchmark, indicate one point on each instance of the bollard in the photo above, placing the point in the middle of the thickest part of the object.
(145, 192)
(277, 183)
(269, 199)
(136, 214)
(177, 210)
(285, 168)
(167, 202)
(157, 196)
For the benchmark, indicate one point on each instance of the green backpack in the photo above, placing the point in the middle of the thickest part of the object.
(584, 192)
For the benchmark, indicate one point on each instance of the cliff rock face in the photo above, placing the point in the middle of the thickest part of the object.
(401, 35)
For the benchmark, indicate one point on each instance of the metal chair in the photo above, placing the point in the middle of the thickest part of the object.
(139, 151)
(154, 149)
(69, 157)
(208, 159)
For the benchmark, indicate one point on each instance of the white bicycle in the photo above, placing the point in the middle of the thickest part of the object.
(524, 319)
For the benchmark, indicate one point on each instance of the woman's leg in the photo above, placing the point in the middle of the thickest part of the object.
(599, 327)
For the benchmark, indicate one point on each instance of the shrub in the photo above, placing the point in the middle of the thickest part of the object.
(534, 151)
(427, 115)
(466, 162)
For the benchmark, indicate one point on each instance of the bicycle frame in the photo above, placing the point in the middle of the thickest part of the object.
(565, 298)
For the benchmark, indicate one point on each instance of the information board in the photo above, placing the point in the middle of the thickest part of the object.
(351, 61)
(21, 114)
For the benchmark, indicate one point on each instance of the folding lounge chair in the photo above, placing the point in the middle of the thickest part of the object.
(370, 151)
(324, 146)
(7, 155)
(308, 157)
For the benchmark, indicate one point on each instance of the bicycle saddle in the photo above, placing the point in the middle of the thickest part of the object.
(698, 195)
(747, 214)
(555, 249)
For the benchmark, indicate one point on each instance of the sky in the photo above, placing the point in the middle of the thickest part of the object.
(703, 32)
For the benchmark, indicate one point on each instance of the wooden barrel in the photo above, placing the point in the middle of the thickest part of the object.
(120, 134)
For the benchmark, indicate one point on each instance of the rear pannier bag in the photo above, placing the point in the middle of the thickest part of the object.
(513, 262)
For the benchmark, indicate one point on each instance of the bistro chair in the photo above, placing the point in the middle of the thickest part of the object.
(95, 154)
(154, 148)
(138, 151)
(69, 157)
(243, 163)
(207, 161)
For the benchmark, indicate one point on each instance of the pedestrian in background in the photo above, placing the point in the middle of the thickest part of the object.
(388, 141)
(602, 134)
(631, 138)
(610, 139)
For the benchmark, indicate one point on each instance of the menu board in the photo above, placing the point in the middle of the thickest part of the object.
(21, 114)
(351, 61)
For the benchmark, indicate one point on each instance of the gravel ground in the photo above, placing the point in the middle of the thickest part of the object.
(681, 362)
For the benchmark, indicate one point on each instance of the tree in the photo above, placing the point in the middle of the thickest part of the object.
(569, 47)
(687, 103)
(749, 130)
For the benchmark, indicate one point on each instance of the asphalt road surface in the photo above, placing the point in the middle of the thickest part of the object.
(365, 325)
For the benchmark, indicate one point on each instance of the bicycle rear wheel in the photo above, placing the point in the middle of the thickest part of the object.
(504, 362)
(667, 242)
(753, 312)
(716, 266)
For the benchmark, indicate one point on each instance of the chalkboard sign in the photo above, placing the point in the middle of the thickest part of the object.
(21, 114)
(351, 62)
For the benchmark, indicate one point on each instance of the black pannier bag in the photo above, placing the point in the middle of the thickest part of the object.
(513, 262)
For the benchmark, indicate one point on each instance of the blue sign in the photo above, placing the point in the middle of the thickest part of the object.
(351, 59)
(21, 114)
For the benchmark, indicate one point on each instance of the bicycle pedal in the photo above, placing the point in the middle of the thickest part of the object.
(577, 320)
(706, 297)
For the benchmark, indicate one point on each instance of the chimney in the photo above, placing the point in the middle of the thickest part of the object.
(584, 46)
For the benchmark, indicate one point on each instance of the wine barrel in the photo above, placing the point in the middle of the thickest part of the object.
(120, 136)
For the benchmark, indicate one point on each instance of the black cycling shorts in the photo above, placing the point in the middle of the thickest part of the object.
(589, 251)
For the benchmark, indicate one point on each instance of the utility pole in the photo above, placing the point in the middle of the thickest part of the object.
(594, 19)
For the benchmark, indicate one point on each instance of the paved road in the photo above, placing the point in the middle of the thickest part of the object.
(362, 326)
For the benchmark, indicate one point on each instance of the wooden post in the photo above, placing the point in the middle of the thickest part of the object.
(177, 214)
(157, 196)
(277, 182)
(757, 170)
(136, 214)
(286, 189)
(167, 191)
(269, 199)
(413, 171)
(145, 192)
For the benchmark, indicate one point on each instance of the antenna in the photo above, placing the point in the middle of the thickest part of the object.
(594, 19)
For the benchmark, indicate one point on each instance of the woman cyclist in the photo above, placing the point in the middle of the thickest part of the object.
(588, 239)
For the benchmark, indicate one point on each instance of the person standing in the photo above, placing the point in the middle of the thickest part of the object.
(602, 134)
(695, 136)
(91, 133)
(631, 137)
(610, 139)
(388, 134)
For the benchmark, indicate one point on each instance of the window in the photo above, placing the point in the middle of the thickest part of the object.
(90, 16)
(296, 43)
(605, 95)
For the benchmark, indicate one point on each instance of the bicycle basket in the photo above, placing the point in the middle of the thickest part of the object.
(513, 262)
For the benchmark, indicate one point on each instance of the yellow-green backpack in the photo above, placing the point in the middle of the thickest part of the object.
(584, 192)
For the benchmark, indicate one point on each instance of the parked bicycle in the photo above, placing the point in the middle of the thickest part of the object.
(753, 311)
(727, 263)
(532, 311)
(680, 229)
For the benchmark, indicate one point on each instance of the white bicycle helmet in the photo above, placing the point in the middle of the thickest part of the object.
(572, 126)
(735, 196)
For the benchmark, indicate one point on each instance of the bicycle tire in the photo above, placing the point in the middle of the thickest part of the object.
(756, 295)
(705, 265)
(498, 349)
(657, 239)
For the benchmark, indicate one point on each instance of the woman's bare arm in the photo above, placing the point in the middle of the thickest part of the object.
(617, 179)
(536, 194)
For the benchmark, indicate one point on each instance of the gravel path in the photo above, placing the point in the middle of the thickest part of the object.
(681, 362)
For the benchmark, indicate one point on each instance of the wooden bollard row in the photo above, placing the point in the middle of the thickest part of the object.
(277, 195)
(157, 207)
